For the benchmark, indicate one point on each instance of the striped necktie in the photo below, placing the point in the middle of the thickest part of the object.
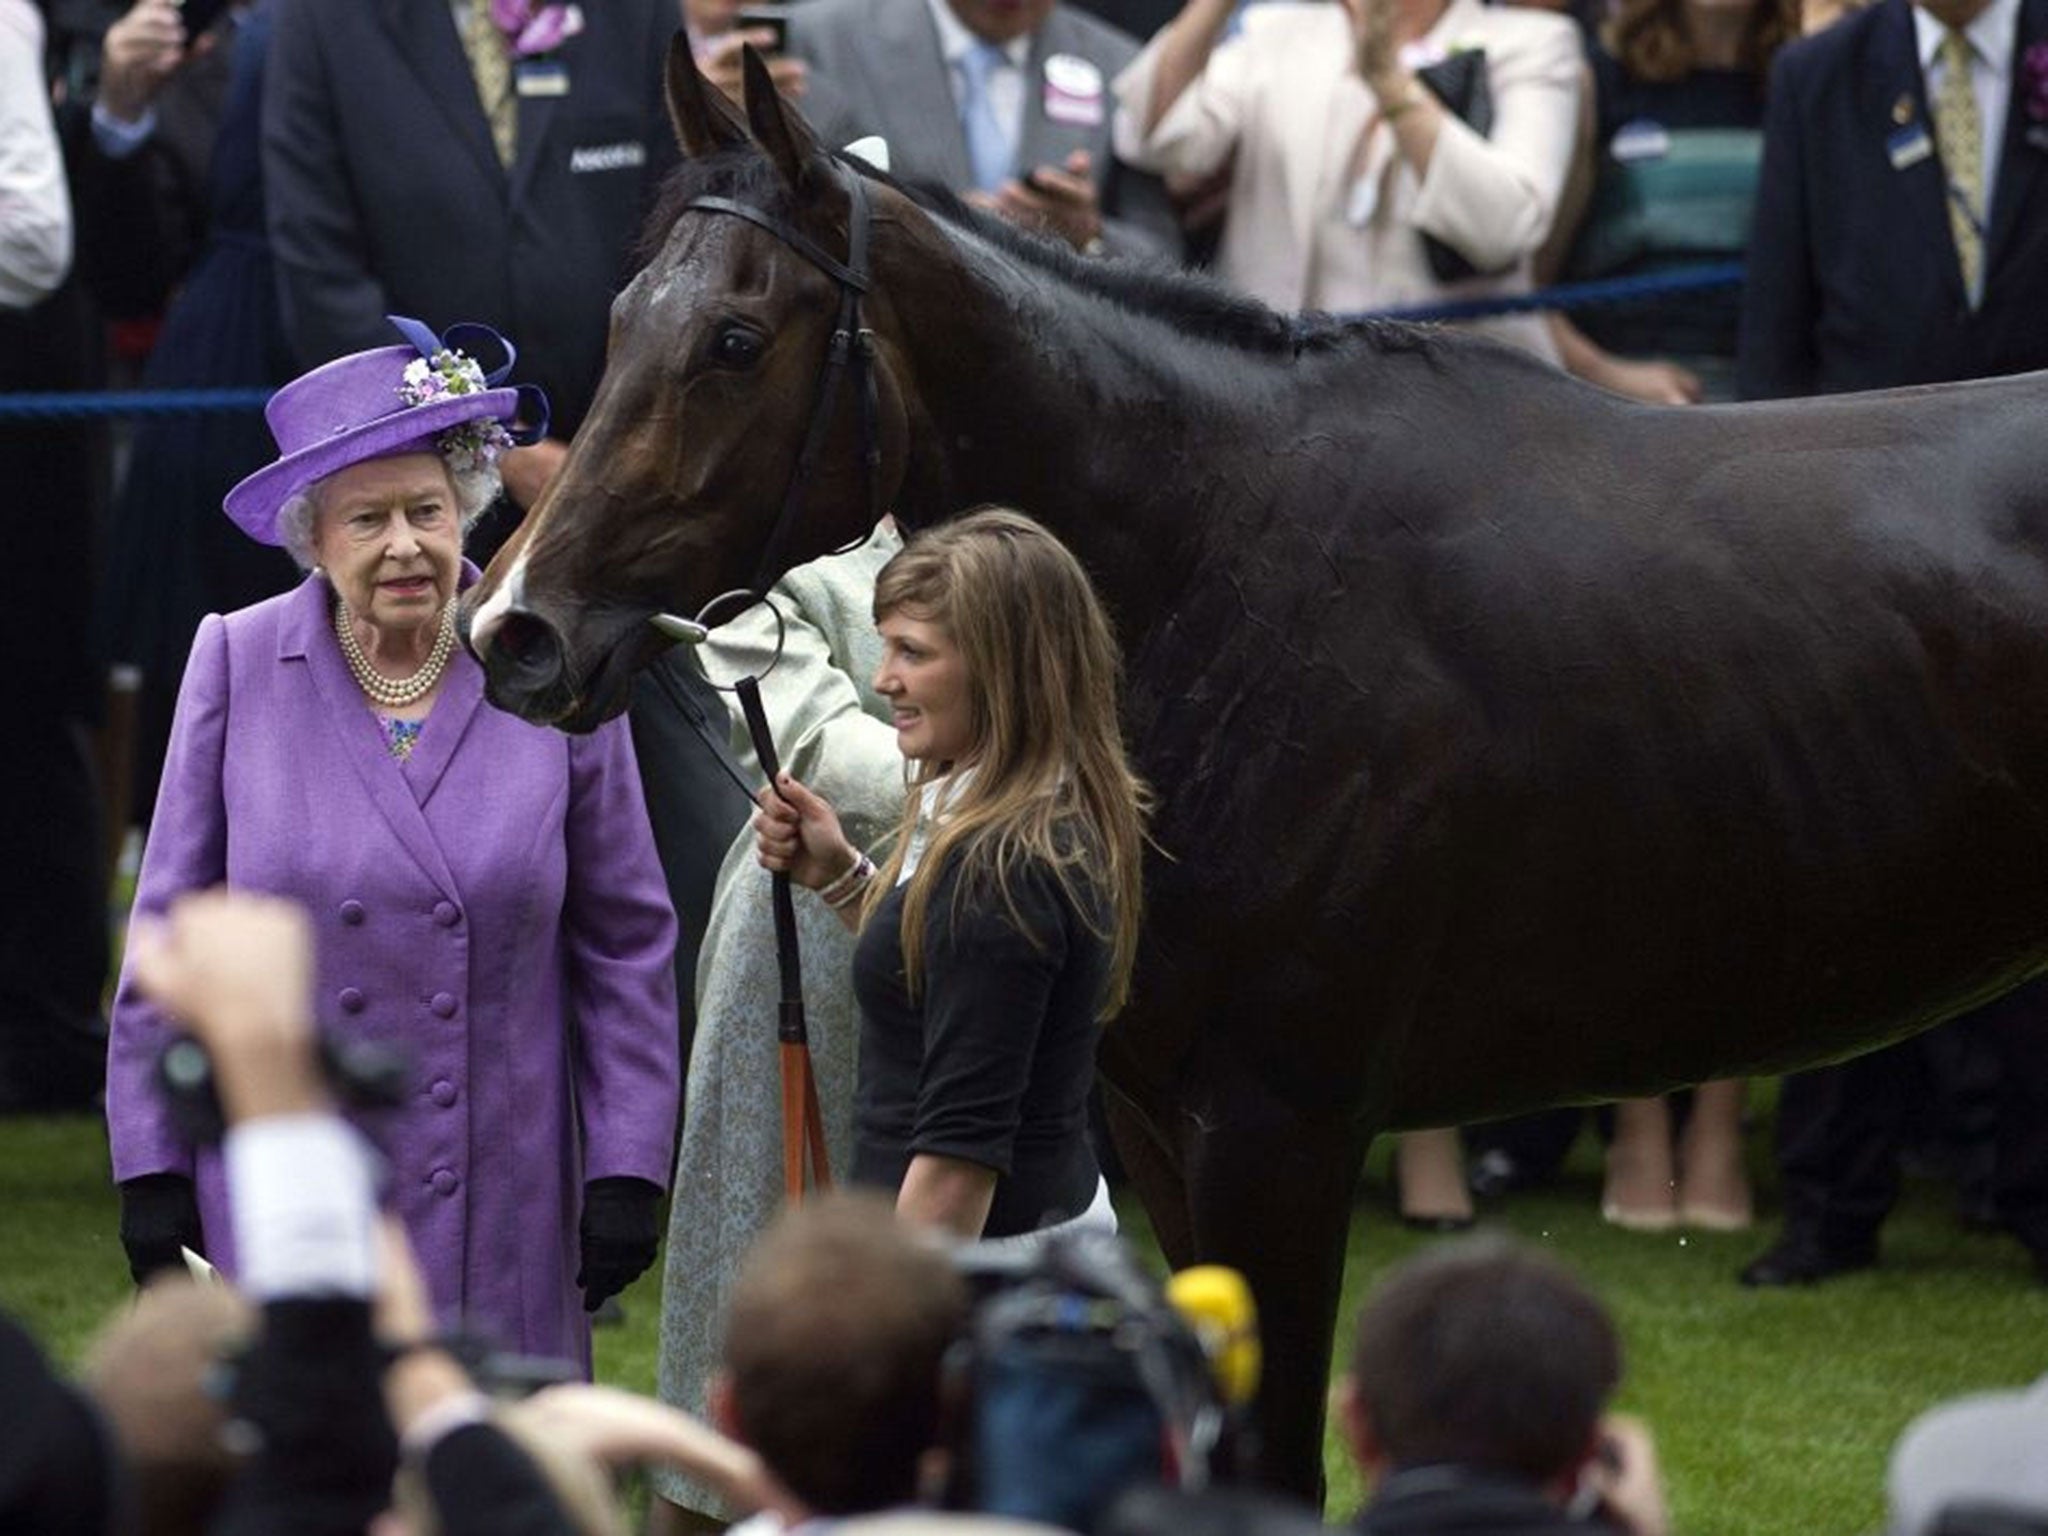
(1959, 137)
(490, 60)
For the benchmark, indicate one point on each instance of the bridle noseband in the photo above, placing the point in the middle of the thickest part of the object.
(851, 341)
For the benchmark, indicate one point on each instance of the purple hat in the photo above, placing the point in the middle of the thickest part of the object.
(430, 394)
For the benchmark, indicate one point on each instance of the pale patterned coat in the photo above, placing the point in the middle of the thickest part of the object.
(492, 905)
(833, 732)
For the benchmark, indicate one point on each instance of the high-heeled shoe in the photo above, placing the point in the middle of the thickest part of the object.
(1714, 1218)
(1649, 1219)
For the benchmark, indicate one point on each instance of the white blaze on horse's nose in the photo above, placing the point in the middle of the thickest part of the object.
(511, 594)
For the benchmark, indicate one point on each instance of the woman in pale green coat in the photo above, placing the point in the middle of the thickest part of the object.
(834, 733)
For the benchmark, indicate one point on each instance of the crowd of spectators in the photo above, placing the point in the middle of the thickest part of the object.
(235, 194)
(318, 1396)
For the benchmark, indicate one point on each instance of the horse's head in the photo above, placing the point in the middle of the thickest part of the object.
(716, 364)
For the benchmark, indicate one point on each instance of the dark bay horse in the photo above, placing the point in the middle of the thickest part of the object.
(1517, 744)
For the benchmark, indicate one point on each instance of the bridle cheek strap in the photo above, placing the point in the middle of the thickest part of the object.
(851, 342)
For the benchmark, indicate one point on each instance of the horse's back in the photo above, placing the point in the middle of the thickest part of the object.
(1557, 721)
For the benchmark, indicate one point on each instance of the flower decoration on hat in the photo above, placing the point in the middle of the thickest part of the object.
(431, 391)
(536, 30)
(2034, 81)
(444, 374)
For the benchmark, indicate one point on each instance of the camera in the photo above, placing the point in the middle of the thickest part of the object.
(362, 1075)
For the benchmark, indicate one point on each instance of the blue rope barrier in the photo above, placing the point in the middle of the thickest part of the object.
(1569, 296)
(54, 406)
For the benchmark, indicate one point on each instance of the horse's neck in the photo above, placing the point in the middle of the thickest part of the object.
(1032, 401)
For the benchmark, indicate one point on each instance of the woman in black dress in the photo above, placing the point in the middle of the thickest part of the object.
(999, 930)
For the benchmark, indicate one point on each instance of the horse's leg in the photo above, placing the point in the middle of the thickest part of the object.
(1154, 1173)
(1269, 1190)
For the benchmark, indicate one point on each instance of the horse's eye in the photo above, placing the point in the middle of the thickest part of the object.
(736, 347)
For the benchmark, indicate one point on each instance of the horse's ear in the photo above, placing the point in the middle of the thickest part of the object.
(704, 120)
(778, 127)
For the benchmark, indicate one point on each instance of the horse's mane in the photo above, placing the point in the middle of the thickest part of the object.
(1194, 305)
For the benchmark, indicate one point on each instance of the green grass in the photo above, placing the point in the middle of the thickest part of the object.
(1774, 1411)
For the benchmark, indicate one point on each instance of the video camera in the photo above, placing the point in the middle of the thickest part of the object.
(1079, 1378)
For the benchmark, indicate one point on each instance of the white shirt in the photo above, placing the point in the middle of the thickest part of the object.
(302, 1193)
(1005, 82)
(1991, 38)
(35, 205)
(933, 800)
(118, 139)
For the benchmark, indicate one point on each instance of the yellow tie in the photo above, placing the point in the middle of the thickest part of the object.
(490, 60)
(1959, 136)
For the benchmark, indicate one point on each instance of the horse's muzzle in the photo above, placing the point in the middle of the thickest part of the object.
(526, 667)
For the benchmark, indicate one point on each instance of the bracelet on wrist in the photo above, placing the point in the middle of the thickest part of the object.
(850, 884)
(1406, 102)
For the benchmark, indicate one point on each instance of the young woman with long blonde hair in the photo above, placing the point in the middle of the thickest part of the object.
(999, 931)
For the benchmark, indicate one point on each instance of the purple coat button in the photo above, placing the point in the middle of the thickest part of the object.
(351, 1000)
(447, 914)
(444, 1182)
(352, 913)
(444, 1004)
(443, 1093)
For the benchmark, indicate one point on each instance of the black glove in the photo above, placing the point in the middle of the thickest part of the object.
(159, 1215)
(621, 1232)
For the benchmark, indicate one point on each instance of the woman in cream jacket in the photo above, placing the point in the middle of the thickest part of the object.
(1345, 159)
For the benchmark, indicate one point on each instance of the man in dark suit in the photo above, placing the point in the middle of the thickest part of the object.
(1855, 277)
(1901, 237)
(394, 188)
(1004, 101)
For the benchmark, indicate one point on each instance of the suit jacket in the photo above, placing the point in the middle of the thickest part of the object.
(1285, 98)
(386, 195)
(143, 218)
(491, 905)
(1853, 278)
(59, 1464)
(883, 60)
(1451, 1500)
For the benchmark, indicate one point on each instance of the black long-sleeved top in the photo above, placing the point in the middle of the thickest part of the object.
(991, 1063)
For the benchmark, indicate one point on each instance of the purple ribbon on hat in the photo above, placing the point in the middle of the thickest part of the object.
(464, 337)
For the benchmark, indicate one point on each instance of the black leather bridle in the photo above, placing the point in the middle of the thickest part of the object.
(852, 344)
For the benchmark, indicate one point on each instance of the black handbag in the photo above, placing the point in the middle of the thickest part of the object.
(1459, 82)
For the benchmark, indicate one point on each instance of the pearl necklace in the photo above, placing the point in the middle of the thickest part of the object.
(394, 693)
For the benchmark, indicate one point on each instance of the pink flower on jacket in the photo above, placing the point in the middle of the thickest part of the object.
(536, 29)
(2034, 81)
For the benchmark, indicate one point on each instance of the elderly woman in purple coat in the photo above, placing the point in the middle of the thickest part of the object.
(485, 892)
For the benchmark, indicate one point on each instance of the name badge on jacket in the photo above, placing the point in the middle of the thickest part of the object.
(1640, 139)
(1908, 147)
(626, 155)
(540, 77)
(1073, 91)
